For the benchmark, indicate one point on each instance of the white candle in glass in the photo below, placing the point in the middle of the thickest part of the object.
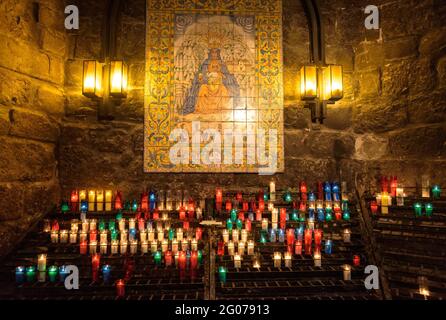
(63, 236)
(317, 259)
(121, 224)
(272, 191)
(103, 247)
(85, 226)
(154, 246)
(54, 236)
(93, 247)
(277, 259)
(241, 248)
(93, 224)
(225, 236)
(74, 225)
(231, 248)
(194, 245)
(103, 236)
(123, 247)
(244, 235)
(132, 223)
(144, 246)
(250, 247)
(288, 260)
(346, 235)
(174, 246)
(164, 245)
(133, 246)
(41, 262)
(180, 234)
(143, 235)
(235, 235)
(151, 235)
(347, 272)
(83, 236)
(275, 215)
(114, 247)
(73, 237)
(160, 235)
(184, 245)
(237, 261)
(264, 224)
(124, 236)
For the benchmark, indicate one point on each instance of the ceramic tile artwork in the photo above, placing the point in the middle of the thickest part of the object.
(218, 63)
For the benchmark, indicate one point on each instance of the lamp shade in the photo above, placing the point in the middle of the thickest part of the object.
(308, 82)
(118, 78)
(332, 82)
(92, 79)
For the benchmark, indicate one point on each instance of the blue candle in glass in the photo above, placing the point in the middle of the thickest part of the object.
(106, 273)
(311, 213)
(300, 232)
(63, 273)
(328, 246)
(335, 188)
(336, 197)
(272, 235)
(320, 214)
(84, 206)
(20, 274)
(132, 234)
(328, 196)
(281, 235)
(327, 187)
(345, 206)
(152, 200)
(311, 196)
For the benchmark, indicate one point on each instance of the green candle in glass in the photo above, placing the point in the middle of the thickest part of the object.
(65, 207)
(233, 214)
(31, 274)
(436, 191)
(171, 234)
(302, 217)
(229, 224)
(52, 273)
(114, 234)
(239, 224)
(127, 206)
(346, 215)
(262, 238)
(328, 216)
(112, 225)
(417, 207)
(200, 256)
(429, 209)
(295, 215)
(287, 197)
(222, 274)
(134, 206)
(157, 258)
(119, 215)
(101, 225)
(265, 196)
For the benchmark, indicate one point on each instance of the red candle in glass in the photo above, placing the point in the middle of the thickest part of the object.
(93, 235)
(221, 248)
(393, 186)
(168, 258)
(198, 233)
(194, 260)
(144, 202)
(289, 248)
(308, 237)
(302, 207)
(374, 207)
(74, 200)
(317, 237)
(261, 205)
(156, 214)
(290, 236)
(320, 190)
(228, 205)
(253, 205)
(55, 226)
(338, 213)
(141, 224)
(384, 184)
(356, 260)
(95, 261)
(303, 190)
(241, 216)
(239, 196)
(182, 260)
(245, 206)
(218, 196)
(83, 247)
(298, 247)
(248, 225)
(186, 225)
(282, 218)
(120, 288)
(182, 213)
(118, 200)
(258, 215)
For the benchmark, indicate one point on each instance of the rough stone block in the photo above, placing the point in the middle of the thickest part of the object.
(370, 147)
(369, 83)
(296, 116)
(11, 201)
(33, 125)
(400, 48)
(54, 42)
(339, 116)
(25, 160)
(433, 42)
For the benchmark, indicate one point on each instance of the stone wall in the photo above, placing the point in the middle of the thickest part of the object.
(391, 120)
(32, 57)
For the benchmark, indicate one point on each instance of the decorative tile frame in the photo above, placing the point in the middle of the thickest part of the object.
(161, 117)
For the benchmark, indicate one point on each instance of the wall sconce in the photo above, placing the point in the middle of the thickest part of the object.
(321, 85)
(92, 79)
(105, 82)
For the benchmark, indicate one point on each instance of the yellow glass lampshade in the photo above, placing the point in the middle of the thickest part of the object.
(308, 82)
(92, 79)
(332, 82)
(118, 78)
